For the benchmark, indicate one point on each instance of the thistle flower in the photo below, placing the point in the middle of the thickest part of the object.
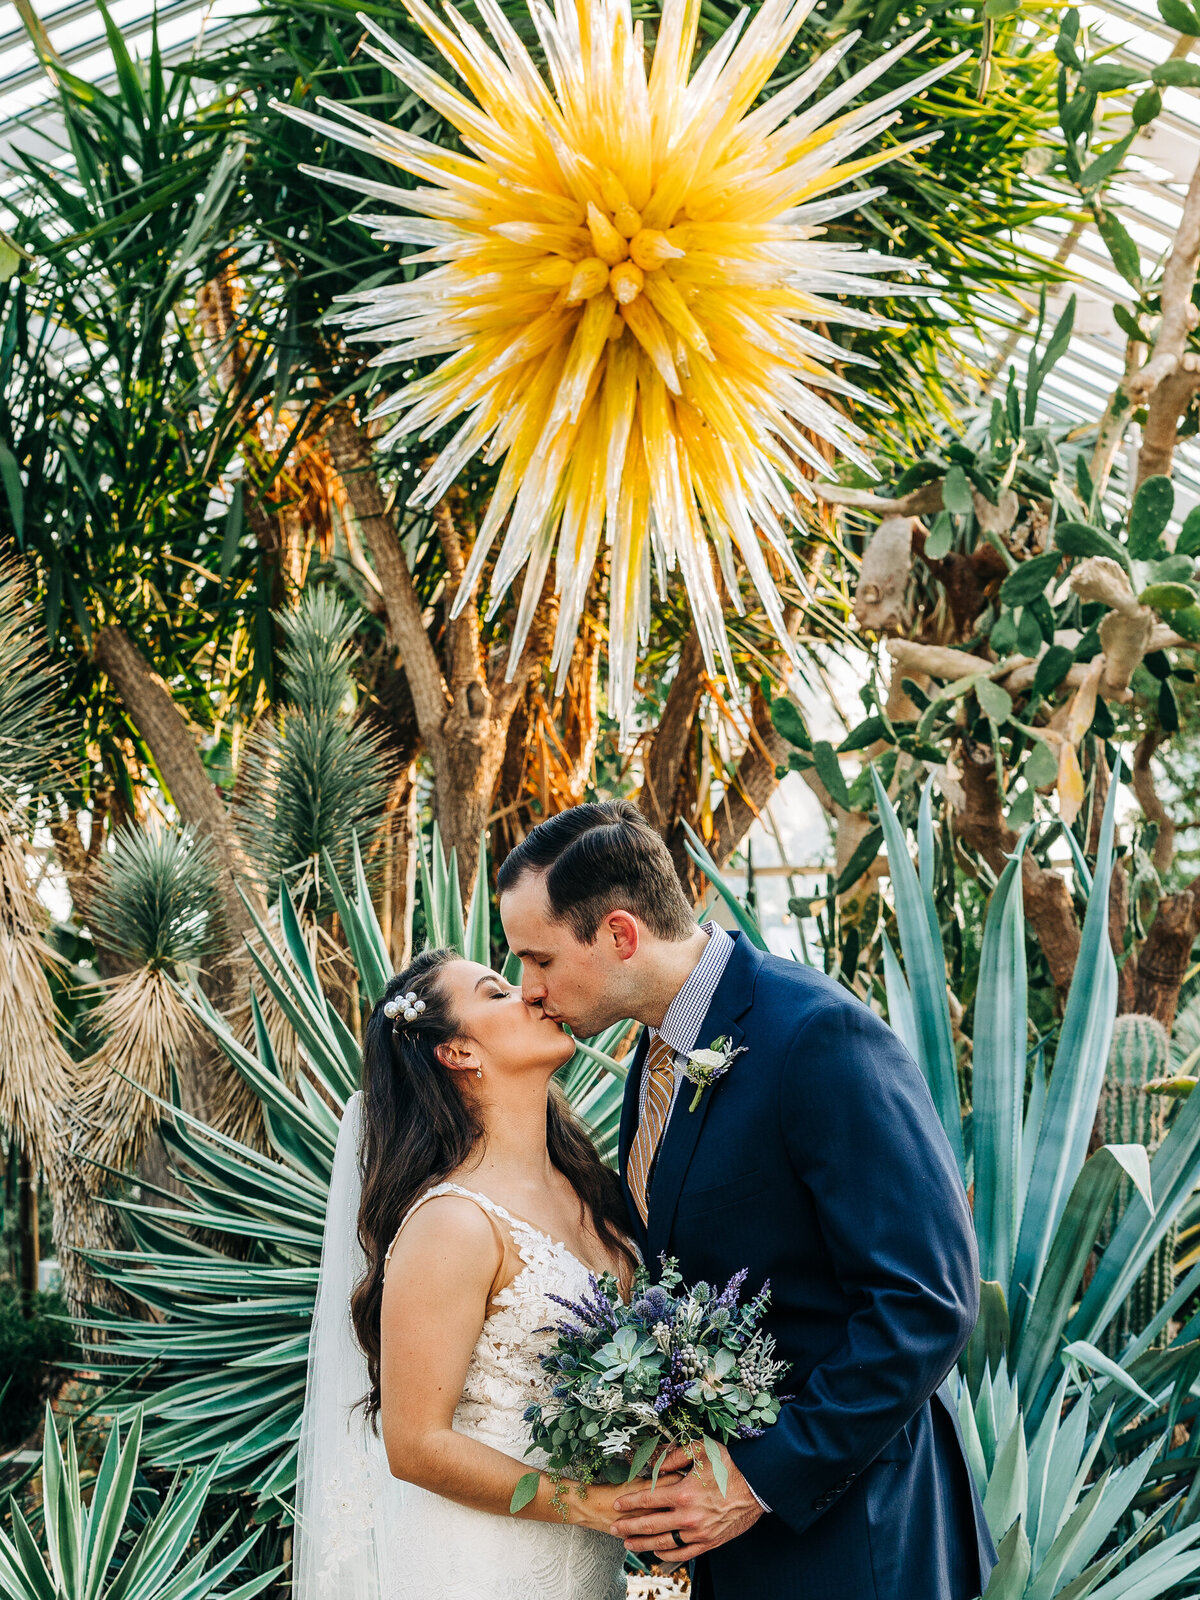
(628, 269)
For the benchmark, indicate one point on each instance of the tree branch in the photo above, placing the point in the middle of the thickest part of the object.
(667, 756)
(1166, 383)
(1152, 806)
(353, 462)
(753, 785)
(158, 720)
(917, 503)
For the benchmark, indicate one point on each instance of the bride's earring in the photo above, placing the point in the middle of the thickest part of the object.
(479, 1072)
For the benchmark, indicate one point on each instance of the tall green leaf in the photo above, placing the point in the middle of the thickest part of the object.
(1074, 1087)
(998, 1078)
(926, 963)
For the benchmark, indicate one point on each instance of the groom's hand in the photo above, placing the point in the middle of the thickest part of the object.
(704, 1517)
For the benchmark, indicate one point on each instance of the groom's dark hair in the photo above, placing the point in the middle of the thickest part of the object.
(601, 858)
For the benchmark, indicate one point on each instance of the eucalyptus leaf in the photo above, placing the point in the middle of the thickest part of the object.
(525, 1492)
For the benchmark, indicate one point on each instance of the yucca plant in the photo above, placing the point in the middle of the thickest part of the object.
(98, 1551)
(228, 1343)
(316, 774)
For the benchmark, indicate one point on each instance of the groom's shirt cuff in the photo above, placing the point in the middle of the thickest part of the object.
(758, 1497)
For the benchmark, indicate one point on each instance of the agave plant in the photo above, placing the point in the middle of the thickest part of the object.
(1050, 1523)
(228, 1338)
(93, 1551)
(1040, 1200)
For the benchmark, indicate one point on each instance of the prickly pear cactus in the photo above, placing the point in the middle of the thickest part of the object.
(1128, 1115)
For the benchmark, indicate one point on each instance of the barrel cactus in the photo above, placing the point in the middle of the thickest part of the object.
(1128, 1115)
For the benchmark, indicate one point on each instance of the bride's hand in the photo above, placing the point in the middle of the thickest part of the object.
(594, 1507)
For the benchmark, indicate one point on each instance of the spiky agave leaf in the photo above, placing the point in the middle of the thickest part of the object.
(317, 775)
(1050, 1525)
(91, 1549)
(157, 898)
(629, 267)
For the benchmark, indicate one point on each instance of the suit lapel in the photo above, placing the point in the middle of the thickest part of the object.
(733, 996)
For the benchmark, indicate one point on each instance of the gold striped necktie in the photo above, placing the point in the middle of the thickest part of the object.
(661, 1083)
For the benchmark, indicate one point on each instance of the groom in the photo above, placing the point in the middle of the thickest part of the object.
(817, 1161)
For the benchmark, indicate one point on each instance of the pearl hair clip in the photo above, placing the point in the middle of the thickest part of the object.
(406, 1005)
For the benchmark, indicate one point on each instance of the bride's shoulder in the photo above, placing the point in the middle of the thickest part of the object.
(445, 1223)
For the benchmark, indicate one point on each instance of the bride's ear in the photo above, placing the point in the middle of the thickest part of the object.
(459, 1058)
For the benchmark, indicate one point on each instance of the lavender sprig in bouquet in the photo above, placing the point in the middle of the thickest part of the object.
(676, 1367)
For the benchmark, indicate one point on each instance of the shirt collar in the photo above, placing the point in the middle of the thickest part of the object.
(681, 1025)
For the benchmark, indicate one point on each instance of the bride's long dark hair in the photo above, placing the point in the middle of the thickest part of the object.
(418, 1127)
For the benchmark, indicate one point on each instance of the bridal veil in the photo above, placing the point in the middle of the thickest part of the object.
(348, 1505)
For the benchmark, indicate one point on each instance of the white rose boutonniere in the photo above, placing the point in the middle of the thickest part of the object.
(704, 1067)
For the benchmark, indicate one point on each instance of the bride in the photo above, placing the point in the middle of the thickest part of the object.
(463, 1196)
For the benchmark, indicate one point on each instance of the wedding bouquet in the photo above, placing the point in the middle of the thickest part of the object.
(674, 1367)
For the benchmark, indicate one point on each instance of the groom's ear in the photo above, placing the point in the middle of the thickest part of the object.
(624, 931)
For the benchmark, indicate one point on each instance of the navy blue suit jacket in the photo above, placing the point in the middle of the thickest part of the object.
(819, 1162)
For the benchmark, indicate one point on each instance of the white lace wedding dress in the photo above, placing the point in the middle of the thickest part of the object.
(451, 1552)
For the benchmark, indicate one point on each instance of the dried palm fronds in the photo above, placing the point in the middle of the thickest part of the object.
(156, 902)
(145, 1029)
(33, 1064)
(34, 1067)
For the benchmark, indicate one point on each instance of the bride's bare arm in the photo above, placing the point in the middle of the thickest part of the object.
(434, 1302)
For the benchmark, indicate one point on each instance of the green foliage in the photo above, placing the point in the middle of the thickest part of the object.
(157, 898)
(316, 775)
(30, 1349)
(1040, 1200)
(1056, 1532)
(121, 427)
(93, 1550)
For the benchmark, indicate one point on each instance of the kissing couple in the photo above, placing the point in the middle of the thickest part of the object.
(467, 1202)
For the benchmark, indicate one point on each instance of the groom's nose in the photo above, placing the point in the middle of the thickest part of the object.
(533, 988)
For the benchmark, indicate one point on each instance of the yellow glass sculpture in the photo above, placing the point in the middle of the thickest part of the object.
(629, 266)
